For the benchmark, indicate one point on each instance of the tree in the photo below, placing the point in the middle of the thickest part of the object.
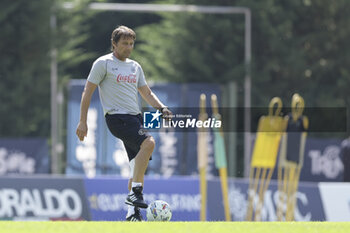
(26, 40)
(98, 31)
(193, 47)
(297, 46)
(24, 70)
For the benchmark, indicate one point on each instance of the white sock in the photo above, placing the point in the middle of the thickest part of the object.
(133, 185)
(131, 210)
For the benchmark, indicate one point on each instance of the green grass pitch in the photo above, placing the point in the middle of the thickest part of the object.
(173, 227)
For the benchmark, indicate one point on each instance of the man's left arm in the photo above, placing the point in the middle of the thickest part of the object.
(153, 100)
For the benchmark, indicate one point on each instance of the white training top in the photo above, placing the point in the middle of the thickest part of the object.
(117, 83)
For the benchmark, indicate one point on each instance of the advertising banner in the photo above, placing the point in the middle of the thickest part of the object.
(106, 197)
(322, 161)
(309, 206)
(168, 154)
(192, 98)
(336, 201)
(82, 157)
(24, 156)
(115, 159)
(102, 199)
(34, 198)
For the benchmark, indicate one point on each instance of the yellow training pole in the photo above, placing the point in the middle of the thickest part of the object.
(220, 158)
(290, 192)
(296, 183)
(252, 192)
(267, 181)
(261, 195)
(223, 178)
(203, 186)
(280, 197)
(250, 195)
(202, 158)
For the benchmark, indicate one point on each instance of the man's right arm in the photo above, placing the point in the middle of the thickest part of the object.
(84, 106)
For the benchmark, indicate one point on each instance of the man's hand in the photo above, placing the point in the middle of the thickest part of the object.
(166, 114)
(81, 130)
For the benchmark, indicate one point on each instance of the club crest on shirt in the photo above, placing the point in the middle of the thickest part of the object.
(142, 132)
(133, 69)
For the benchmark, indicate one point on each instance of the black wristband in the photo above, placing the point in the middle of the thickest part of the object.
(161, 109)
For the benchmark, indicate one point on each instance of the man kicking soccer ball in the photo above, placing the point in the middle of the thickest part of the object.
(119, 79)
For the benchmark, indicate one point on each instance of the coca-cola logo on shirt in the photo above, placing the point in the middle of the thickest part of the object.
(131, 78)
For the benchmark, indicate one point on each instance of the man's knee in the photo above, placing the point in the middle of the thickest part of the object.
(149, 143)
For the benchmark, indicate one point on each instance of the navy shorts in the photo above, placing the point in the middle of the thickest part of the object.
(129, 129)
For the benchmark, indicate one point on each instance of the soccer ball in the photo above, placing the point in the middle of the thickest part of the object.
(159, 211)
